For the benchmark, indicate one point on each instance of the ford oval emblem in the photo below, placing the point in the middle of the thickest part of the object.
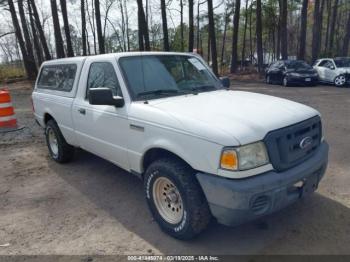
(306, 142)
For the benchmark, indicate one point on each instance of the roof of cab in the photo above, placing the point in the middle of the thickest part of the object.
(79, 59)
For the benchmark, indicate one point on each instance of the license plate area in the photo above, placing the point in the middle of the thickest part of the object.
(304, 187)
(308, 79)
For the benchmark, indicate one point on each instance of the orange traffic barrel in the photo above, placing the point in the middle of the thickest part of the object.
(8, 121)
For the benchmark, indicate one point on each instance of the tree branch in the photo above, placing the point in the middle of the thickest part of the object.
(8, 33)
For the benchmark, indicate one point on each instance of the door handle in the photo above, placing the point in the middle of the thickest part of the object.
(82, 111)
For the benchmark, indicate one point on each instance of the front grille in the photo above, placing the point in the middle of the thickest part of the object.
(283, 145)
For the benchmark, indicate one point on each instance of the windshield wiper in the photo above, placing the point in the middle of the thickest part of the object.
(158, 92)
(203, 88)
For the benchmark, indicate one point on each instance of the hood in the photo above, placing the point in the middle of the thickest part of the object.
(344, 70)
(231, 117)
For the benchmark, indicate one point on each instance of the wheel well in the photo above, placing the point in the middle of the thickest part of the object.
(47, 117)
(155, 153)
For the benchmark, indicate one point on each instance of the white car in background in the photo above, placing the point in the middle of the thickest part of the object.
(335, 71)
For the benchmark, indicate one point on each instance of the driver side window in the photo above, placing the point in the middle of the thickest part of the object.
(102, 74)
(327, 64)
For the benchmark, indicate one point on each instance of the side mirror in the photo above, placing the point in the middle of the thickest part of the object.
(225, 81)
(104, 96)
(331, 67)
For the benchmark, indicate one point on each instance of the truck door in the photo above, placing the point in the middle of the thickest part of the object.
(101, 129)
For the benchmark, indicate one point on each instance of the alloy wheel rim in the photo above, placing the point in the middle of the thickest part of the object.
(53, 142)
(168, 200)
(340, 80)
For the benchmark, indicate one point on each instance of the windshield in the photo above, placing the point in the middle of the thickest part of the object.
(155, 76)
(342, 62)
(297, 65)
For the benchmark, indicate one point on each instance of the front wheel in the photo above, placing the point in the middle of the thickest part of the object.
(176, 199)
(340, 81)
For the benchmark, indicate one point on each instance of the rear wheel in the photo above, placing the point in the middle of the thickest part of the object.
(340, 81)
(59, 149)
(175, 198)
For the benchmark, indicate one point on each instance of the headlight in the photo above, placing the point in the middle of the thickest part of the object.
(244, 157)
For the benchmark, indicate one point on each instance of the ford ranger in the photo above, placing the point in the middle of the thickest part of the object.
(202, 150)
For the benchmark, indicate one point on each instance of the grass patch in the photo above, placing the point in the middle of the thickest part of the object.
(10, 71)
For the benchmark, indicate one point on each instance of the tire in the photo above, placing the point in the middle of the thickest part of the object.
(192, 214)
(285, 81)
(340, 81)
(59, 149)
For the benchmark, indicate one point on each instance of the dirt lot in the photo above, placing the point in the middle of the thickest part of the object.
(92, 207)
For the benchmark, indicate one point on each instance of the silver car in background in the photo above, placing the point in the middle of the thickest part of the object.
(334, 70)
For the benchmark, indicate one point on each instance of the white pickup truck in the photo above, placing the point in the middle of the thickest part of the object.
(202, 150)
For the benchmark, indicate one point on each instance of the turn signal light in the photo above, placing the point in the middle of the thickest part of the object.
(229, 160)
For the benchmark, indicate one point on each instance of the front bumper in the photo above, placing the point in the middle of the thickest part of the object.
(302, 80)
(234, 201)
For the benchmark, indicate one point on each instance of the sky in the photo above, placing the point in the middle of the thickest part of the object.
(73, 7)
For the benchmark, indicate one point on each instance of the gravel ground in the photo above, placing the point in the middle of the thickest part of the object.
(92, 207)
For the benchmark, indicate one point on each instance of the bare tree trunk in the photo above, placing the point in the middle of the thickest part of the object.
(28, 64)
(92, 23)
(83, 26)
(70, 52)
(303, 26)
(108, 6)
(143, 28)
(244, 33)
(88, 43)
(208, 49)
(346, 39)
(333, 23)
(197, 37)
(40, 31)
(26, 34)
(259, 46)
(101, 42)
(57, 30)
(329, 11)
(320, 24)
(182, 25)
(278, 42)
(190, 26)
(250, 32)
(34, 33)
(145, 31)
(212, 37)
(164, 26)
(284, 31)
(127, 25)
(234, 57)
(315, 32)
(123, 24)
(224, 39)
(140, 21)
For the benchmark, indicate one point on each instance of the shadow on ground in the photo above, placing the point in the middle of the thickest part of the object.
(316, 225)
